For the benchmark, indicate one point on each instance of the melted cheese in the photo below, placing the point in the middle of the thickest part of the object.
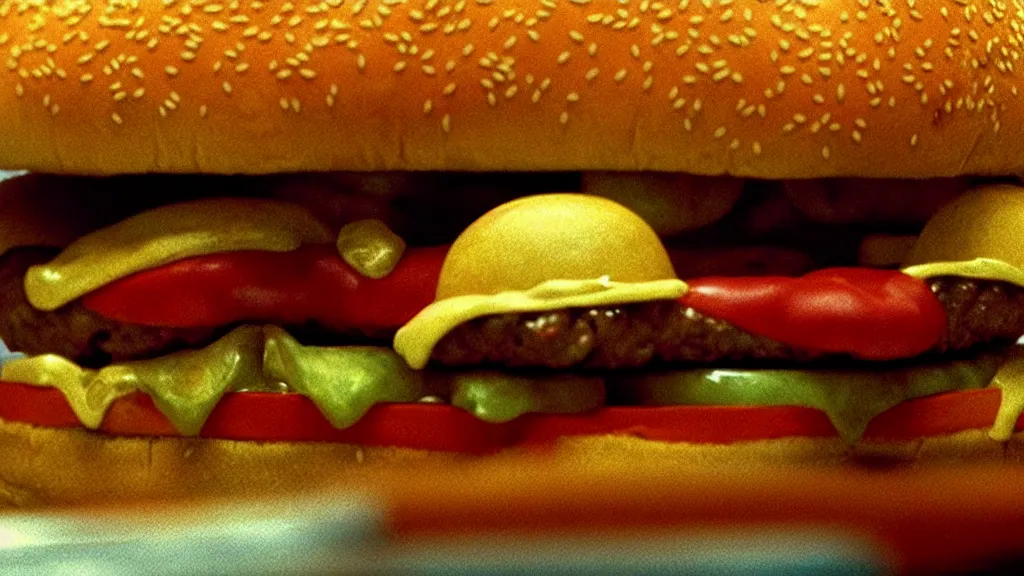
(978, 268)
(370, 247)
(850, 398)
(416, 340)
(167, 234)
(500, 397)
(184, 386)
(343, 382)
(1010, 380)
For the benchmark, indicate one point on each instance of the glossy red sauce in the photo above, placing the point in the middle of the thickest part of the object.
(867, 313)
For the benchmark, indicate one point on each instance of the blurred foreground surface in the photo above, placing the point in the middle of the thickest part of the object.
(343, 536)
(527, 515)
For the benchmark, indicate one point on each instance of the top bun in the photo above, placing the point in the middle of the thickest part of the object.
(770, 89)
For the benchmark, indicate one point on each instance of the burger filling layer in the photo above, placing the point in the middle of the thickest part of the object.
(189, 303)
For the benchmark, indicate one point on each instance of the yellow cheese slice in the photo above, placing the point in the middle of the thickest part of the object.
(167, 234)
(416, 340)
(978, 268)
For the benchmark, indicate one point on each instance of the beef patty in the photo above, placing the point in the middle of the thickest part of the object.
(75, 332)
(625, 336)
(633, 335)
(93, 340)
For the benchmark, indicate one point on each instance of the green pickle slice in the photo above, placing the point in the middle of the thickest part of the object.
(344, 382)
(850, 398)
(185, 386)
(495, 397)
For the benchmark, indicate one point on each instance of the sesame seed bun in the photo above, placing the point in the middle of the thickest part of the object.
(765, 89)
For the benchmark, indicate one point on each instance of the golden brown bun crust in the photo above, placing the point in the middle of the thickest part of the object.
(773, 89)
(44, 466)
(53, 466)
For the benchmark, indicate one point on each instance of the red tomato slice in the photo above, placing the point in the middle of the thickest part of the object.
(312, 283)
(266, 417)
(870, 314)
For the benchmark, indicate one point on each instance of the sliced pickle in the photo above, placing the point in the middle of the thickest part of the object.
(344, 382)
(497, 397)
(185, 386)
(850, 398)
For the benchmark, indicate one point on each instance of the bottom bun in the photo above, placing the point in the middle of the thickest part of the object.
(968, 446)
(48, 466)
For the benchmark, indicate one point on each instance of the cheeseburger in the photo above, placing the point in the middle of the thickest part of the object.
(262, 245)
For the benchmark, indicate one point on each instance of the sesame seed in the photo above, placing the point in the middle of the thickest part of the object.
(811, 47)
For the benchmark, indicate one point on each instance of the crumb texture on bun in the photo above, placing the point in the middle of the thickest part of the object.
(66, 466)
(780, 89)
(46, 466)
